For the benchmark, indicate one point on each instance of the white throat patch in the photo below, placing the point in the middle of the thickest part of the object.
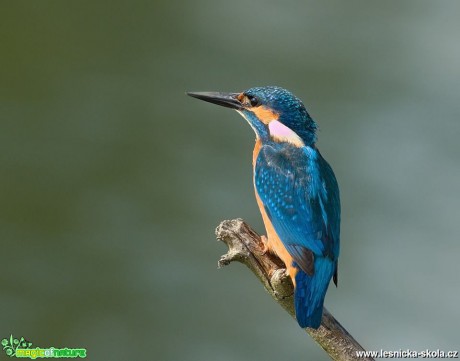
(282, 133)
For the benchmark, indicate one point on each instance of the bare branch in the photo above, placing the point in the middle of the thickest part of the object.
(245, 246)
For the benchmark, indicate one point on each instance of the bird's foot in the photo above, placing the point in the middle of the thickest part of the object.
(265, 247)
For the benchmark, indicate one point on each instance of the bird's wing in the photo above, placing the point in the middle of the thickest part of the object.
(301, 197)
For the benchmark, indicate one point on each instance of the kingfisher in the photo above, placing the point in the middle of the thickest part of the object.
(296, 191)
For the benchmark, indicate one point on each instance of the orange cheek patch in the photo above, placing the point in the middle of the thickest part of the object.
(266, 115)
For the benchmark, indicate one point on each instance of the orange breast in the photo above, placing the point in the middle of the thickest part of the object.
(274, 242)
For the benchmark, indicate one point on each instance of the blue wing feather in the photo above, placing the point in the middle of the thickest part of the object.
(301, 197)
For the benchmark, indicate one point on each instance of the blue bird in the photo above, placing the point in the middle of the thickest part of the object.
(296, 191)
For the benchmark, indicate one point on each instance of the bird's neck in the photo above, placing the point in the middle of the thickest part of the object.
(310, 149)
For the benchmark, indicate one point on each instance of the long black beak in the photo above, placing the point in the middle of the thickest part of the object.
(228, 100)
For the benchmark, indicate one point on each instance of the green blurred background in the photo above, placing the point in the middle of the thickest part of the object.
(112, 180)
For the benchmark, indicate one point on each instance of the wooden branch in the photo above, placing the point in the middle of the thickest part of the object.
(245, 246)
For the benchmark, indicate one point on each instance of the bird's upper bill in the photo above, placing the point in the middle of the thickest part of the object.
(238, 101)
(229, 100)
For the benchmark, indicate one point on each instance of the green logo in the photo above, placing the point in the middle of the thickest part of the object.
(14, 347)
(12, 344)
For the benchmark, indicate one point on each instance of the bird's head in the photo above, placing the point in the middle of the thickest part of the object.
(272, 112)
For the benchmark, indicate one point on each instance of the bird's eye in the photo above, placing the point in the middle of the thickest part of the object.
(253, 101)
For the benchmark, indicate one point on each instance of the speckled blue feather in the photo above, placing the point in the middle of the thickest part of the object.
(301, 197)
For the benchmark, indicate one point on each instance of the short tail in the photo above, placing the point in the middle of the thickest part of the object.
(310, 292)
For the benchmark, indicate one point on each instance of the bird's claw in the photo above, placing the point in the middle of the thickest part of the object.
(265, 247)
